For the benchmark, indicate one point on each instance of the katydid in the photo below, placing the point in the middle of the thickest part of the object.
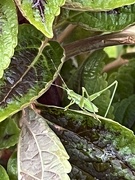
(86, 103)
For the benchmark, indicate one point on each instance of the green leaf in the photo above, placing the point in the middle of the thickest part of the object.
(8, 33)
(112, 51)
(31, 71)
(124, 97)
(105, 149)
(40, 152)
(42, 14)
(9, 133)
(12, 166)
(104, 21)
(126, 80)
(3, 174)
(96, 5)
(94, 81)
(124, 111)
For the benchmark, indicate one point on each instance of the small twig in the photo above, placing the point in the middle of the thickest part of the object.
(115, 64)
(99, 42)
(66, 32)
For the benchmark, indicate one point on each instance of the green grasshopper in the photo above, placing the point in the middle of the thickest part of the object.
(86, 103)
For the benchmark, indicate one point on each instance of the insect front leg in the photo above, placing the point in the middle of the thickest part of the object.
(67, 107)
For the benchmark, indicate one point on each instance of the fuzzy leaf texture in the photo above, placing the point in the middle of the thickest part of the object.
(96, 5)
(8, 33)
(114, 20)
(103, 150)
(41, 13)
(31, 71)
(40, 152)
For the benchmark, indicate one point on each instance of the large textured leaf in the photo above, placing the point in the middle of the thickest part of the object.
(3, 174)
(12, 166)
(124, 96)
(103, 150)
(8, 33)
(41, 13)
(31, 71)
(126, 80)
(114, 20)
(93, 80)
(96, 5)
(9, 133)
(40, 153)
(124, 112)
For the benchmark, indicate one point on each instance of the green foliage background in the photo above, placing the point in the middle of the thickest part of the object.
(64, 37)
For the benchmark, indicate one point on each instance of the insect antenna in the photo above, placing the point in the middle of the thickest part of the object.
(65, 86)
(53, 84)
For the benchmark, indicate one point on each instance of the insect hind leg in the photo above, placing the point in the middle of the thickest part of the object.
(70, 104)
(115, 83)
(91, 104)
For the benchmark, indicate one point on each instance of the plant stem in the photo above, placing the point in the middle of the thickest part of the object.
(98, 42)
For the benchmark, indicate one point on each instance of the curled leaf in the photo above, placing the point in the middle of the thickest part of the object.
(12, 166)
(41, 155)
(3, 174)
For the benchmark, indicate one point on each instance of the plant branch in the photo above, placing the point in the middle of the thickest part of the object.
(99, 42)
(115, 64)
(65, 33)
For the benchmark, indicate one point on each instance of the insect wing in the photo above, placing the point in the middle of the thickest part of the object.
(89, 106)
